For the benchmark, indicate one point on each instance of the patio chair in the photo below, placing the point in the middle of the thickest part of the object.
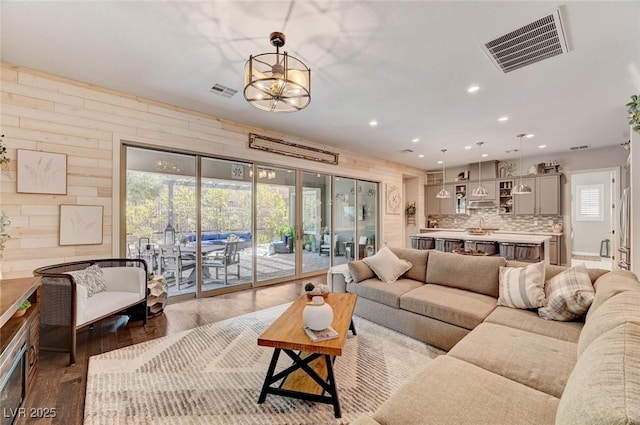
(326, 246)
(173, 262)
(224, 259)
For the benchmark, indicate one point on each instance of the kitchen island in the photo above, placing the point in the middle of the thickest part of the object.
(511, 246)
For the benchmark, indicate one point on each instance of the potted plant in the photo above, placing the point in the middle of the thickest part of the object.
(410, 210)
(317, 290)
(22, 309)
(634, 112)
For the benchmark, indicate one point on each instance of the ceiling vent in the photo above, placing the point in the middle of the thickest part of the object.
(223, 91)
(534, 42)
(579, 148)
(406, 151)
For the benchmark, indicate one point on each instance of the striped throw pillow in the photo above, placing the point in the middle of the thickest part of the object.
(569, 295)
(522, 287)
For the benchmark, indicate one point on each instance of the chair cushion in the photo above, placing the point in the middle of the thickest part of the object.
(522, 287)
(91, 278)
(375, 290)
(104, 304)
(386, 265)
(529, 321)
(450, 305)
(477, 274)
(517, 355)
(569, 295)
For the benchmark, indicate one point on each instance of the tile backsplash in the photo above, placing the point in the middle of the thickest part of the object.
(518, 223)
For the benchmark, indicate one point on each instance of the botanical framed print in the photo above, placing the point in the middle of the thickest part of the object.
(41, 172)
(81, 224)
(394, 199)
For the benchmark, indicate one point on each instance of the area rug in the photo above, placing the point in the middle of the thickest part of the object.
(213, 375)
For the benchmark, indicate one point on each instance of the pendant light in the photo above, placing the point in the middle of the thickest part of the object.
(521, 188)
(480, 191)
(444, 193)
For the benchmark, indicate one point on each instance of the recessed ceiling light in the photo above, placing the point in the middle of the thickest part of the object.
(484, 155)
(542, 146)
(439, 162)
(473, 89)
(415, 140)
(420, 156)
(529, 136)
(373, 123)
(503, 119)
(467, 147)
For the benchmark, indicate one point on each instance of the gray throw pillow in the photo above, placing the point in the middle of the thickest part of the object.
(360, 271)
(92, 278)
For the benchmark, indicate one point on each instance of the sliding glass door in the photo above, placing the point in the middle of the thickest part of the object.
(318, 241)
(276, 235)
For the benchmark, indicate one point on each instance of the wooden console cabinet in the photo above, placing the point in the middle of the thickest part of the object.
(13, 292)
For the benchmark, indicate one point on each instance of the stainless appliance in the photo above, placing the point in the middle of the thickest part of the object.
(624, 259)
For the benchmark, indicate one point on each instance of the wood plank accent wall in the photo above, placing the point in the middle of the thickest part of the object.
(88, 123)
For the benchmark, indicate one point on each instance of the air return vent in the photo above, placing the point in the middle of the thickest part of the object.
(579, 148)
(223, 91)
(406, 151)
(534, 42)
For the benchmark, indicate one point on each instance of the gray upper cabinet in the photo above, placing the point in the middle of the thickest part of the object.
(435, 206)
(525, 204)
(548, 195)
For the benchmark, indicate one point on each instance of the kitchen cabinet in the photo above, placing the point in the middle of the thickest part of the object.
(437, 206)
(525, 204)
(547, 193)
(555, 250)
(491, 190)
(505, 198)
(460, 199)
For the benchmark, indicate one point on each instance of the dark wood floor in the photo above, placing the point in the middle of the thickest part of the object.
(62, 387)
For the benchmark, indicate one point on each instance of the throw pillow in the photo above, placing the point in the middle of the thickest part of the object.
(522, 287)
(91, 278)
(569, 295)
(386, 265)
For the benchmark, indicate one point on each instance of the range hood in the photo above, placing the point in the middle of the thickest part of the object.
(481, 205)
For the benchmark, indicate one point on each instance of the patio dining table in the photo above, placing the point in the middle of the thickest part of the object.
(206, 250)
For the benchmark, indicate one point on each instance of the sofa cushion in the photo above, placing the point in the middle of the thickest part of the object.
(537, 361)
(417, 258)
(617, 310)
(450, 391)
(91, 278)
(611, 284)
(530, 321)
(360, 271)
(451, 305)
(604, 386)
(376, 290)
(522, 287)
(386, 265)
(569, 295)
(477, 274)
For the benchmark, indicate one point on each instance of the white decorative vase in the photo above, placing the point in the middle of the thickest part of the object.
(318, 315)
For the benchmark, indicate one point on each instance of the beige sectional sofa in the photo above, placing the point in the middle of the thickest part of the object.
(504, 365)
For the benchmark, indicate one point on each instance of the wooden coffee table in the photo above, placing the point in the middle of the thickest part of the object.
(310, 377)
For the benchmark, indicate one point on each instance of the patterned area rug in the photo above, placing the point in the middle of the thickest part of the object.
(213, 375)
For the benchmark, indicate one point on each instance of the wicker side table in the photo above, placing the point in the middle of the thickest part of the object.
(158, 295)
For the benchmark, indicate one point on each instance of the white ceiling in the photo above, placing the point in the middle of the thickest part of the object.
(407, 64)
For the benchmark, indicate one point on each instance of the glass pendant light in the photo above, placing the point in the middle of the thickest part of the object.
(444, 193)
(521, 188)
(480, 191)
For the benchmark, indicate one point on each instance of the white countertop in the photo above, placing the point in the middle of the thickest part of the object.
(500, 232)
(497, 237)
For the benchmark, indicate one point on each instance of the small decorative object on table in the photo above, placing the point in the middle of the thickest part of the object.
(316, 290)
(158, 295)
(22, 309)
(323, 335)
(411, 209)
(317, 315)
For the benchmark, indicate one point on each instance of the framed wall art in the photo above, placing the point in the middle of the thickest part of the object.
(394, 199)
(81, 224)
(41, 172)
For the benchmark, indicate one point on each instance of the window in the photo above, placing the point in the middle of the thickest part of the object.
(590, 202)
